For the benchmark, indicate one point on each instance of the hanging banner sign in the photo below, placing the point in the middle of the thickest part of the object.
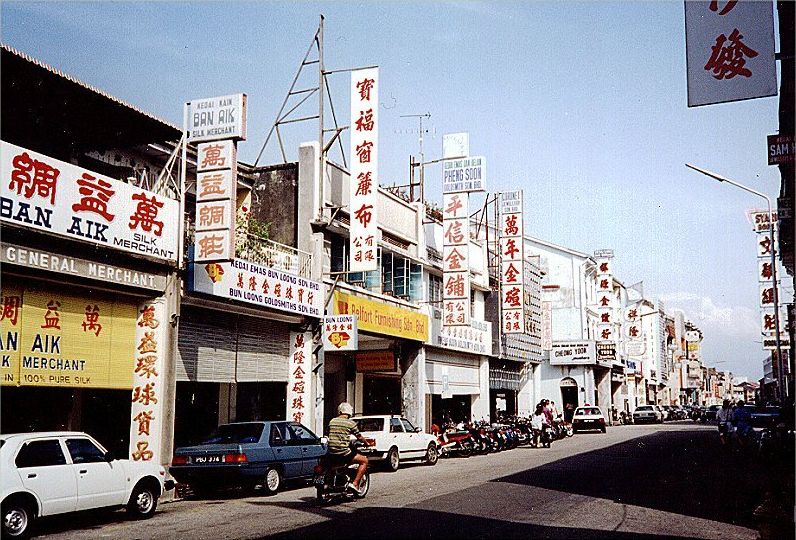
(299, 384)
(512, 256)
(456, 260)
(340, 333)
(50, 195)
(729, 51)
(364, 180)
(211, 119)
(464, 175)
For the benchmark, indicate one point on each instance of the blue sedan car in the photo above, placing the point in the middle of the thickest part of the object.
(248, 454)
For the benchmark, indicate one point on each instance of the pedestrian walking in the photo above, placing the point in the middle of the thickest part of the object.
(724, 419)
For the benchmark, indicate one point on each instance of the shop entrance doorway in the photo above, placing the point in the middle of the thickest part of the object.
(569, 397)
(456, 409)
(381, 395)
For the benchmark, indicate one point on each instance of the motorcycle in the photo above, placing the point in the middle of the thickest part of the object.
(455, 443)
(332, 478)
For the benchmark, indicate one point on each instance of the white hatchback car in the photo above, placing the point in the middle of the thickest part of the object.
(588, 418)
(65, 471)
(394, 438)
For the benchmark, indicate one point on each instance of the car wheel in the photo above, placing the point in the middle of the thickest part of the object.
(17, 519)
(603, 429)
(432, 454)
(393, 459)
(272, 481)
(143, 501)
(319, 494)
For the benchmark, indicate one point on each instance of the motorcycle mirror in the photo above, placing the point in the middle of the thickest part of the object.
(324, 440)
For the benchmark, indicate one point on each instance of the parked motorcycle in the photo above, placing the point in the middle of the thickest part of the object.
(455, 442)
(332, 479)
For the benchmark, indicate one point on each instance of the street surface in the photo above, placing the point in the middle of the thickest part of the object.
(634, 482)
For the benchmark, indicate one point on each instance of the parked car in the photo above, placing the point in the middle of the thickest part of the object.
(394, 438)
(764, 417)
(50, 473)
(248, 454)
(647, 413)
(588, 418)
(709, 414)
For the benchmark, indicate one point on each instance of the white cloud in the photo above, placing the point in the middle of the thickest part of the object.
(739, 322)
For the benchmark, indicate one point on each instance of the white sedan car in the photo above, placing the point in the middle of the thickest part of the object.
(394, 438)
(588, 418)
(648, 413)
(52, 473)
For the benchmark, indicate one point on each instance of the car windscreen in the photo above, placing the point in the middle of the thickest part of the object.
(590, 410)
(235, 434)
(644, 408)
(370, 424)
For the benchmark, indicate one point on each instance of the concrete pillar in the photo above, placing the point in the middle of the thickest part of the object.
(480, 403)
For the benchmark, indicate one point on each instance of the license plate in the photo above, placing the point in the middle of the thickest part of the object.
(207, 459)
(318, 480)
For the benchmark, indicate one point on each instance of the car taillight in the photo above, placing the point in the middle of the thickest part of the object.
(601, 420)
(370, 442)
(235, 458)
(318, 469)
(179, 460)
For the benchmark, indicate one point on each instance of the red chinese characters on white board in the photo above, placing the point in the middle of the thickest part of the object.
(512, 256)
(455, 260)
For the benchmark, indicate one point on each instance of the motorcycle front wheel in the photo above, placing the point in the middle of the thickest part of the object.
(364, 487)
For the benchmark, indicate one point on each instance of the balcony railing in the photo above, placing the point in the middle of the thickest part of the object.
(273, 255)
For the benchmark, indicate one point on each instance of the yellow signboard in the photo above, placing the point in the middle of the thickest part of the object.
(382, 318)
(59, 339)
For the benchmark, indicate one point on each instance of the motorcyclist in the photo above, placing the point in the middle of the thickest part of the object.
(341, 428)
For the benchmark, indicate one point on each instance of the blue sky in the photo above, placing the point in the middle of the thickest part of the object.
(583, 105)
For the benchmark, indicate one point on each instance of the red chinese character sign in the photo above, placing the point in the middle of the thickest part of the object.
(46, 194)
(364, 180)
(729, 51)
(216, 201)
(148, 395)
(608, 325)
(300, 398)
(455, 260)
(512, 267)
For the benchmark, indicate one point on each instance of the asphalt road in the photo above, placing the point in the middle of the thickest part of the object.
(635, 482)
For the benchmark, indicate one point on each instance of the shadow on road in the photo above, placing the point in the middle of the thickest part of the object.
(685, 472)
(385, 523)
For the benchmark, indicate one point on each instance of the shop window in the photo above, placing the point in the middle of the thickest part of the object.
(434, 289)
(416, 282)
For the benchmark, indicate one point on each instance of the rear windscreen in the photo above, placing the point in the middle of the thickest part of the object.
(370, 424)
(235, 434)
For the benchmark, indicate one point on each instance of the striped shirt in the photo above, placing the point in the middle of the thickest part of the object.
(339, 430)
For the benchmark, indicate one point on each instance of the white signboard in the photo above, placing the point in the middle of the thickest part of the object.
(634, 348)
(760, 220)
(340, 333)
(464, 175)
(364, 180)
(547, 326)
(222, 117)
(692, 336)
(729, 51)
(765, 245)
(764, 270)
(299, 384)
(50, 195)
(573, 353)
(255, 284)
(456, 260)
(474, 339)
(455, 145)
(512, 255)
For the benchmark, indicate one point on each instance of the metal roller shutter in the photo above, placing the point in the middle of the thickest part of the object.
(227, 347)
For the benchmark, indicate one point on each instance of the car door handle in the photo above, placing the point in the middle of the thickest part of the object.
(32, 475)
(304, 449)
(83, 471)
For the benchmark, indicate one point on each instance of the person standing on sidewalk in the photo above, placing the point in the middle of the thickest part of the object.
(724, 419)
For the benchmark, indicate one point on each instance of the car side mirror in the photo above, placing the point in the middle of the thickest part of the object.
(324, 440)
(418, 430)
(109, 457)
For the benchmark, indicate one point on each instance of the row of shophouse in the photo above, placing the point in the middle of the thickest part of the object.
(109, 326)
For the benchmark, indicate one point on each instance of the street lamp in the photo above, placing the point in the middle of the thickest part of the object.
(783, 388)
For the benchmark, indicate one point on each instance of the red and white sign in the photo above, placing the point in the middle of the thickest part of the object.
(729, 51)
(547, 326)
(765, 245)
(512, 255)
(455, 260)
(606, 327)
(632, 324)
(50, 195)
(760, 221)
(764, 270)
(299, 384)
(364, 181)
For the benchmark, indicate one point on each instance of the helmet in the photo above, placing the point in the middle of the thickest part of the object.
(345, 408)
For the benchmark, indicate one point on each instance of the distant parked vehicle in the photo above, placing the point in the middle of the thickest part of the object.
(588, 418)
(709, 414)
(667, 412)
(647, 413)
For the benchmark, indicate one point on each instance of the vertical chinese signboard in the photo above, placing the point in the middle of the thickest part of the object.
(364, 181)
(218, 123)
(512, 252)
(148, 376)
(766, 248)
(299, 384)
(605, 301)
(729, 51)
(456, 260)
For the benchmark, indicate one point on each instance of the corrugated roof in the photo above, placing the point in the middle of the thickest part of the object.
(89, 87)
